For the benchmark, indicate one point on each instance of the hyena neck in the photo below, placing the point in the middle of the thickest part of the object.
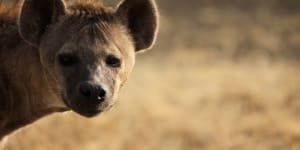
(26, 90)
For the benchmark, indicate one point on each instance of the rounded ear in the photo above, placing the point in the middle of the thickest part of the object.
(141, 19)
(36, 16)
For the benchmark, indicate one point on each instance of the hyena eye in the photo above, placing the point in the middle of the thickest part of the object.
(67, 60)
(113, 61)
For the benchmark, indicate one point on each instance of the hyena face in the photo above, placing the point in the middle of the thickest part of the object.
(87, 49)
(91, 64)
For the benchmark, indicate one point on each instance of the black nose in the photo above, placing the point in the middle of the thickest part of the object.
(92, 91)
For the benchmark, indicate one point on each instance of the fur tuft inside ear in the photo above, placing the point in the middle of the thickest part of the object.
(36, 16)
(141, 19)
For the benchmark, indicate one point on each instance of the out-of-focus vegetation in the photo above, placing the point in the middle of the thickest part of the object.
(223, 75)
(234, 28)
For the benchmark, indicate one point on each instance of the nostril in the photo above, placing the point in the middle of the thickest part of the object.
(101, 93)
(85, 89)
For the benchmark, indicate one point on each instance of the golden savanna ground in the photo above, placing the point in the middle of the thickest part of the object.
(224, 75)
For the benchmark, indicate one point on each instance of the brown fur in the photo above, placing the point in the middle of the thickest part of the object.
(30, 84)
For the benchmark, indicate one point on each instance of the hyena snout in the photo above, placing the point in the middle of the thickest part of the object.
(91, 92)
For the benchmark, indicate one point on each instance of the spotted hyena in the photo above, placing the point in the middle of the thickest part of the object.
(56, 57)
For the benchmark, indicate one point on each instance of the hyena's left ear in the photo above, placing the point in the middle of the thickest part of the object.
(36, 16)
(141, 18)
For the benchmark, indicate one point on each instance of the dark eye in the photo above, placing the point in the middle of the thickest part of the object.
(113, 61)
(67, 60)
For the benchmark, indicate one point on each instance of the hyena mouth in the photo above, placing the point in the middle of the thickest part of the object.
(86, 108)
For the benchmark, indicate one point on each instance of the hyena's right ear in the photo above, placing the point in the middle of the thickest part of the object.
(36, 16)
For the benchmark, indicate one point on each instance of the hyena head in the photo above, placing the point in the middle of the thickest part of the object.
(88, 50)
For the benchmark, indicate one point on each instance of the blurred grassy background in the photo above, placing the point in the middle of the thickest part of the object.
(224, 75)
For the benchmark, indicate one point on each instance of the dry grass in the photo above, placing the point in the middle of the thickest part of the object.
(220, 78)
